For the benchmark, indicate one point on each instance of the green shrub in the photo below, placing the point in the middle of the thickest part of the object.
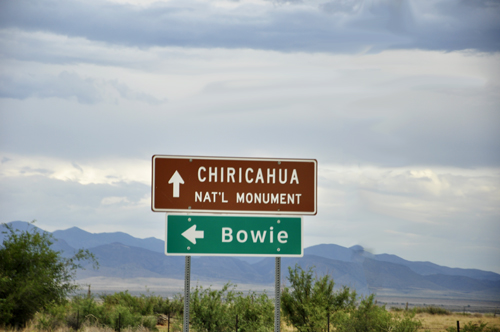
(169, 307)
(255, 312)
(405, 322)
(216, 310)
(210, 310)
(474, 327)
(119, 310)
(432, 310)
(308, 301)
(33, 277)
(144, 304)
(51, 318)
(369, 317)
(86, 306)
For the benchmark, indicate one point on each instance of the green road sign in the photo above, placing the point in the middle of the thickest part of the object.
(233, 236)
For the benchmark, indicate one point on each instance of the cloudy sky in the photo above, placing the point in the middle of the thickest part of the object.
(398, 100)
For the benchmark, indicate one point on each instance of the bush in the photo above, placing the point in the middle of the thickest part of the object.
(405, 323)
(210, 309)
(474, 327)
(87, 308)
(216, 310)
(145, 304)
(169, 307)
(52, 318)
(255, 312)
(432, 310)
(33, 277)
(307, 302)
(369, 317)
(117, 311)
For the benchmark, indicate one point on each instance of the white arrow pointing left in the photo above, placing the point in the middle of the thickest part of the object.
(192, 234)
(177, 180)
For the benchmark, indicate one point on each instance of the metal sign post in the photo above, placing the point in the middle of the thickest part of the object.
(277, 295)
(187, 287)
(278, 187)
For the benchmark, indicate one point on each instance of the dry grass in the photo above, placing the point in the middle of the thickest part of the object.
(84, 328)
(433, 323)
(436, 323)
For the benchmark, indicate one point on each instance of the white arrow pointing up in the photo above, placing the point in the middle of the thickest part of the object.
(192, 234)
(177, 180)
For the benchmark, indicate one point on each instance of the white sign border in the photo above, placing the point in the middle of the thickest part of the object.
(262, 212)
(236, 255)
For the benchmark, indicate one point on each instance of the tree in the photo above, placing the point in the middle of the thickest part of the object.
(34, 277)
(308, 302)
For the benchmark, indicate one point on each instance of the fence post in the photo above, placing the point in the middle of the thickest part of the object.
(168, 322)
(458, 326)
(328, 320)
(236, 323)
(119, 319)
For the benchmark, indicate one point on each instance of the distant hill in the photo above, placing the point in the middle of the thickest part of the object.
(20, 225)
(395, 276)
(428, 268)
(120, 260)
(344, 273)
(58, 245)
(123, 256)
(357, 253)
(331, 251)
(78, 238)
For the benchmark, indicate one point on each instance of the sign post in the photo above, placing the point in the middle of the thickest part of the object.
(277, 294)
(272, 187)
(187, 292)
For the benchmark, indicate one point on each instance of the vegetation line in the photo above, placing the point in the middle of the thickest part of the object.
(35, 283)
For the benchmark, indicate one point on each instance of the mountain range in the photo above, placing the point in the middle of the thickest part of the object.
(121, 255)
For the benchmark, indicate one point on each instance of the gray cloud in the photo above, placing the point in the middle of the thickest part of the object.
(68, 85)
(342, 6)
(332, 26)
(415, 214)
(79, 102)
(66, 204)
(413, 137)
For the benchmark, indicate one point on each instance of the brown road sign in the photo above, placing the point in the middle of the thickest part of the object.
(234, 185)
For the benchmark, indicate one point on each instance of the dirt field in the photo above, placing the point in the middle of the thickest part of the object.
(158, 286)
(454, 305)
